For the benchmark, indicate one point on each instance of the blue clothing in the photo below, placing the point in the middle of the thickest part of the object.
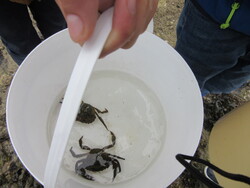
(219, 59)
(16, 29)
(219, 10)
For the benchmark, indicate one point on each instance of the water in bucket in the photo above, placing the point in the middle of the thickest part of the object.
(135, 116)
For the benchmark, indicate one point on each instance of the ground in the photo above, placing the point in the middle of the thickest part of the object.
(14, 175)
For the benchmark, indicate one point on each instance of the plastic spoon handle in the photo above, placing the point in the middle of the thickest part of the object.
(78, 81)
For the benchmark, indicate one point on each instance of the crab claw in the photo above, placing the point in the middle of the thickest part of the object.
(116, 165)
(83, 173)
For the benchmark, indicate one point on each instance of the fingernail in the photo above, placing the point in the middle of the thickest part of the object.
(108, 47)
(132, 6)
(75, 26)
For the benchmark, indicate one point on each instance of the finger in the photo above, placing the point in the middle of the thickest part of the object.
(105, 4)
(141, 22)
(145, 13)
(81, 17)
(130, 43)
(124, 23)
(131, 18)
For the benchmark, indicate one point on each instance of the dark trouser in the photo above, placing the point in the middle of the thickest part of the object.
(220, 59)
(16, 29)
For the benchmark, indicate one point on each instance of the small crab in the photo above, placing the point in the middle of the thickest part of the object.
(88, 113)
(96, 160)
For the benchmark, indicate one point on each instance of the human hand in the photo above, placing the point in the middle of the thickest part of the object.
(130, 19)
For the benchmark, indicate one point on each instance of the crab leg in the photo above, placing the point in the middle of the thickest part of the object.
(77, 155)
(113, 139)
(116, 165)
(102, 112)
(82, 146)
(116, 156)
(102, 121)
(79, 168)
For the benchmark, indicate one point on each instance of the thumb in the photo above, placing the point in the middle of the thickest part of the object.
(81, 17)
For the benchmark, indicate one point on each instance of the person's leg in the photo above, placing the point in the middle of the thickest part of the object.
(232, 78)
(48, 16)
(207, 49)
(16, 30)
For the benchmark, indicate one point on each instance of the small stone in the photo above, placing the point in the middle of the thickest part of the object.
(5, 167)
(14, 186)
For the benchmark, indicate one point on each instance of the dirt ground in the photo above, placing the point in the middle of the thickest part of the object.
(14, 175)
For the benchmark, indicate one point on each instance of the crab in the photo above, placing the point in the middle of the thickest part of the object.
(87, 113)
(96, 160)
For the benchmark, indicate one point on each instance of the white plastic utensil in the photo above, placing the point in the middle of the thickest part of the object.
(74, 93)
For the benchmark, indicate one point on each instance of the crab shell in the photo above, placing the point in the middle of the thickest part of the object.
(86, 113)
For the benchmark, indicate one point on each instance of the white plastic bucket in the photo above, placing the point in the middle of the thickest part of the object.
(37, 88)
